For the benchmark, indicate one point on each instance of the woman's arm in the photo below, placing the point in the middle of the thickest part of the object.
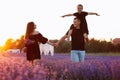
(50, 43)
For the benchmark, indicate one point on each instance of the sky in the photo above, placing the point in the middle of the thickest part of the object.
(15, 14)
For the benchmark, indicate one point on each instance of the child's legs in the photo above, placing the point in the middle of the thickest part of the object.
(74, 56)
(81, 56)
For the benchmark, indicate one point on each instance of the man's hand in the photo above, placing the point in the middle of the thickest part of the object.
(86, 40)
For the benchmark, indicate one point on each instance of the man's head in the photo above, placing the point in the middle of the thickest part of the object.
(76, 22)
(79, 7)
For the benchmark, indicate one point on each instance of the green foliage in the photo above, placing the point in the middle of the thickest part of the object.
(64, 47)
(97, 46)
(93, 46)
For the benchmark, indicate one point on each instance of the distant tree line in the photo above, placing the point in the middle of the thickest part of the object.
(93, 46)
(96, 46)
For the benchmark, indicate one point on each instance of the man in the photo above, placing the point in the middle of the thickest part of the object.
(78, 41)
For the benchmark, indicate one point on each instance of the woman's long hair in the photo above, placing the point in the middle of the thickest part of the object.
(30, 28)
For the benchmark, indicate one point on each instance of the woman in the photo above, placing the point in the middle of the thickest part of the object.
(32, 40)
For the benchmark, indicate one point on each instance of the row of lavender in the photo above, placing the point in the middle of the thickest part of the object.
(59, 67)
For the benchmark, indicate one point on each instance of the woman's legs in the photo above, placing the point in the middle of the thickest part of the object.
(36, 61)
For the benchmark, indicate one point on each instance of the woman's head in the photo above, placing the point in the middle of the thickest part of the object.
(79, 7)
(30, 28)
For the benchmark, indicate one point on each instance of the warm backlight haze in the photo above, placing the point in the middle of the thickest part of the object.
(15, 14)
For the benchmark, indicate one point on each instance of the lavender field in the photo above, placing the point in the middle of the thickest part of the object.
(59, 67)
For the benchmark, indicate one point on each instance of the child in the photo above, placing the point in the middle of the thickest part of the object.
(82, 16)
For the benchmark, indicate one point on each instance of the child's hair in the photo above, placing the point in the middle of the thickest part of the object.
(80, 5)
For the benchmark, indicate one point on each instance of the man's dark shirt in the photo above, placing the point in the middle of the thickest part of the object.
(77, 39)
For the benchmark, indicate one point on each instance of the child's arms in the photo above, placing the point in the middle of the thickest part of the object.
(89, 13)
(93, 13)
(67, 15)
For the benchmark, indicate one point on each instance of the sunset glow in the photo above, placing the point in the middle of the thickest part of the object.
(47, 15)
